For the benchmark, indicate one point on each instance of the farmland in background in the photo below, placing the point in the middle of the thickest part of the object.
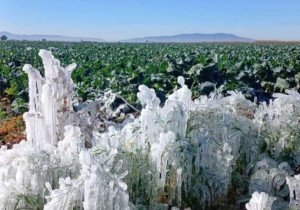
(256, 69)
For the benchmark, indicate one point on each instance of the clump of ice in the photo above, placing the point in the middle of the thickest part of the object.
(260, 201)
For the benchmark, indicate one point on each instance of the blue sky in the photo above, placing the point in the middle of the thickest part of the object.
(121, 19)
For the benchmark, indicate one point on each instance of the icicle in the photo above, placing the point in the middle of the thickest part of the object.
(178, 184)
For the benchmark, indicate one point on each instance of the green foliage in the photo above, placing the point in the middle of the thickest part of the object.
(122, 67)
(32, 202)
(19, 106)
(2, 114)
(12, 90)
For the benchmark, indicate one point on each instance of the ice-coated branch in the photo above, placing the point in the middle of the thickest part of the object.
(49, 100)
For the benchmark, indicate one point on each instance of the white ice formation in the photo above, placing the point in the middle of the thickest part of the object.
(260, 201)
(184, 153)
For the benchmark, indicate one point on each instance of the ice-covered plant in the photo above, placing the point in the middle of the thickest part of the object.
(50, 104)
(279, 123)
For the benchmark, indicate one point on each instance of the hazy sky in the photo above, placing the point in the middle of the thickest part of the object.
(121, 19)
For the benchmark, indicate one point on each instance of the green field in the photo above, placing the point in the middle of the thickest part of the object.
(256, 69)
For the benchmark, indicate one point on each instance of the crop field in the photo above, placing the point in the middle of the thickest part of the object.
(149, 125)
(255, 69)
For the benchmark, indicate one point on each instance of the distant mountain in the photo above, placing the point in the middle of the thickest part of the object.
(48, 37)
(197, 37)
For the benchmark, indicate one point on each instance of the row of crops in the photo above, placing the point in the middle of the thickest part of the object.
(255, 69)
